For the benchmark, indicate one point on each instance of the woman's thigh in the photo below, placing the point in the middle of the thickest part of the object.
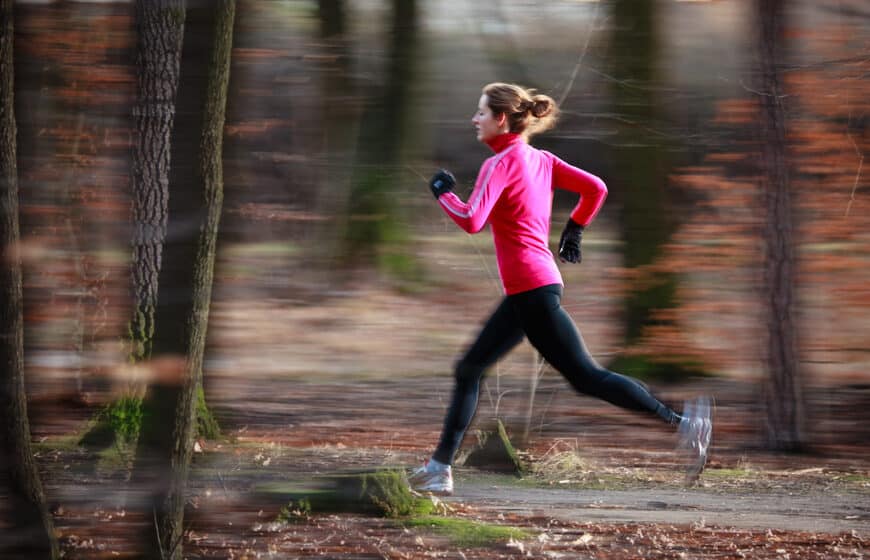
(499, 335)
(553, 333)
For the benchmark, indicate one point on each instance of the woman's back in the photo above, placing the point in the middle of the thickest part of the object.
(520, 218)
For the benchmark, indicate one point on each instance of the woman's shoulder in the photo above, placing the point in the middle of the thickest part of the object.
(547, 154)
(503, 157)
(553, 158)
(530, 153)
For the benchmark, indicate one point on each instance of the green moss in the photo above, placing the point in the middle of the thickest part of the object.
(466, 533)
(856, 478)
(382, 492)
(386, 492)
(140, 333)
(294, 512)
(509, 448)
(206, 425)
(118, 422)
(730, 473)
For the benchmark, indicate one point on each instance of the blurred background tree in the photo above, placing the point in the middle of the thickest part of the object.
(783, 394)
(376, 229)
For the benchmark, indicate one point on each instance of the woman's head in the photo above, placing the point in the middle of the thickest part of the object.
(512, 108)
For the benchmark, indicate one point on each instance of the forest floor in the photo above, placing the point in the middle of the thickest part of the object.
(362, 383)
(611, 488)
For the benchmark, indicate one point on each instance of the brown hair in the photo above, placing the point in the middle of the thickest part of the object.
(527, 111)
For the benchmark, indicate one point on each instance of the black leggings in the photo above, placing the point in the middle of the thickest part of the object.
(537, 314)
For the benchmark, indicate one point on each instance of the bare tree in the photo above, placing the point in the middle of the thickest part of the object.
(783, 389)
(160, 24)
(29, 526)
(170, 407)
(160, 31)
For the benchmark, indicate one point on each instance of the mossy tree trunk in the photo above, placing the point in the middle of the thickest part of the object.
(170, 407)
(213, 21)
(783, 389)
(28, 526)
(160, 25)
(160, 29)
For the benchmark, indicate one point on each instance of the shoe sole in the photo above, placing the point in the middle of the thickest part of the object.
(434, 492)
(417, 485)
(446, 492)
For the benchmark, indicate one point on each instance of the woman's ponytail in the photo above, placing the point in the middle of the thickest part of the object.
(545, 111)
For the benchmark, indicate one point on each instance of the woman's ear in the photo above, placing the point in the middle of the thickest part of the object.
(502, 119)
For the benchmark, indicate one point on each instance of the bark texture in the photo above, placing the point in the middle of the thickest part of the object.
(170, 408)
(160, 24)
(30, 532)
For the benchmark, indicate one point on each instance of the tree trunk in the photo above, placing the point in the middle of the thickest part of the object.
(375, 234)
(340, 122)
(29, 530)
(160, 24)
(640, 186)
(783, 391)
(212, 181)
(332, 18)
(186, 278)
(160, 28)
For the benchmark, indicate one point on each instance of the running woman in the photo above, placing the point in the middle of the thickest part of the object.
(513, 194)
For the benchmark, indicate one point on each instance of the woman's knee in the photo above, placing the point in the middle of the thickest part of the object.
(468, 372)
(589, 378)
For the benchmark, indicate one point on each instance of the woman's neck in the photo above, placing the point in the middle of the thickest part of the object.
(502, 141)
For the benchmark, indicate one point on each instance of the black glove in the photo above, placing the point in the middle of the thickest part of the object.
(442, 182)
(569, 243)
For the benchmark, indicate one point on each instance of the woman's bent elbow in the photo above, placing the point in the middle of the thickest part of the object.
(470, 226)
(475, 228)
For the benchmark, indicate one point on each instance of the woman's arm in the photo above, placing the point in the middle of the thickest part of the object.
(591, 189)
(471, 216)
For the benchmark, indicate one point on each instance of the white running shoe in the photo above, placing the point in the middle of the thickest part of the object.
(695, 431)
(433, 477)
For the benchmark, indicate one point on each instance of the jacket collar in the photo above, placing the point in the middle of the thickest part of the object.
(503, 141)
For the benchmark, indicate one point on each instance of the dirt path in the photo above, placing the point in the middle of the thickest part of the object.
(812, 511)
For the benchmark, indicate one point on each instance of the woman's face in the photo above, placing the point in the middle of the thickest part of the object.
(488, 125)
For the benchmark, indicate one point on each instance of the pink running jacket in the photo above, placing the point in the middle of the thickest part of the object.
(513, 193)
